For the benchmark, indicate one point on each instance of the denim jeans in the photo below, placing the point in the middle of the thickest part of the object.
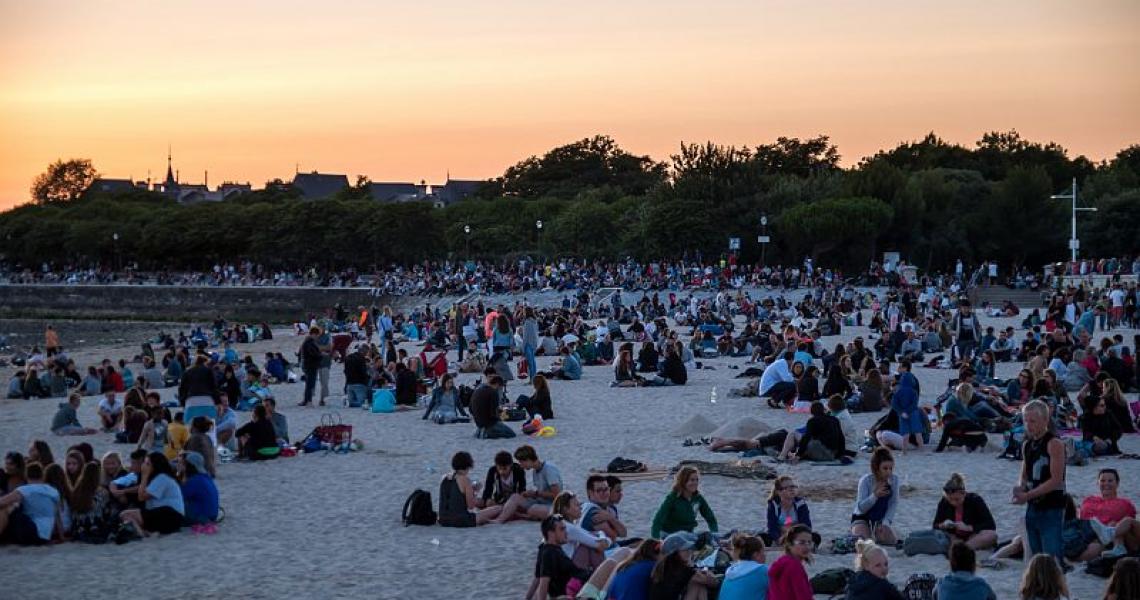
(310, 385)
(357, 395)
(966, 349)
(1043, 531)
(531, 364)
(984, 410)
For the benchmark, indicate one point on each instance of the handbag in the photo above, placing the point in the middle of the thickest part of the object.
(522, 368)
(333, 431)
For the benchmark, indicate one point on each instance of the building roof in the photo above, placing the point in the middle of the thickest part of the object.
(110, 186)
(393, 191)
(456, 189)
(318, 186)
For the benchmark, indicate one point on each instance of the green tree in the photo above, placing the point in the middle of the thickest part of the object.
(592, 162)
(792, 156)
(63, 181)
(847, 224)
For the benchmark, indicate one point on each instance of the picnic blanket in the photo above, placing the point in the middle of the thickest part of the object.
(737, 469)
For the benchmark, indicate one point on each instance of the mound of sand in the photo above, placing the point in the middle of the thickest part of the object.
(695, 425)
(744, 428)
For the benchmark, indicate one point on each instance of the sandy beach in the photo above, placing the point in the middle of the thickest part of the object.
(329, 526)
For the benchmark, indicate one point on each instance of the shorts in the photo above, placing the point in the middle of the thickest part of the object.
(467, 520)
(21, 531)
(575, 588)
(161, 520)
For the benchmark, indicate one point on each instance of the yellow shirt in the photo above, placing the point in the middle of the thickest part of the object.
(177, 435)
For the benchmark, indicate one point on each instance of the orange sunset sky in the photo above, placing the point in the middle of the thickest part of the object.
(403, 91)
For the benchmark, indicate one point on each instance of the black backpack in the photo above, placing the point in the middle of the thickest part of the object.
(418, 510)
(831, 581)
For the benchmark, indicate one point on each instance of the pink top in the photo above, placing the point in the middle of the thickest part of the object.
(1109, 512)
(788, 580)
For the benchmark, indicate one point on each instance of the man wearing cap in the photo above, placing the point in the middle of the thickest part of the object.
(680, 578)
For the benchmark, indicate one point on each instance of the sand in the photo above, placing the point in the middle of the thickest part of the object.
(329, 525)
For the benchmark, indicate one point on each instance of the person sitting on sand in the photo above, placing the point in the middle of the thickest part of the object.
(673, 368)
(225, 423)
(870, 579)
(787, 577)
(556, 576)
(777, 383)
(904, 404)
(29, 513)
(153, 438)
(1100, 429)
(674, 575)
(124, 488)
(569, 369)
(457, 504)
(679, 508)
(747, 577)
(199, 492)
(585, 548)
(256, 436)
(624, 373)
(485, 410)
(1080, 540)
(16, 385)
(545, 477)
(1117, 512)
(164, 510)
(596, 514)
(961, 583)
(539, 403)
(631, 579)
(821, 441)
(1043, 580)
(877, 500)
(201, 443)
(444, 406)
(786, 509)
(505, 484)
(964, 515)
(110, 411)
(66, 419)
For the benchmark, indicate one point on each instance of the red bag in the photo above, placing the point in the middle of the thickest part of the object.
(333, 431)
(523, 368)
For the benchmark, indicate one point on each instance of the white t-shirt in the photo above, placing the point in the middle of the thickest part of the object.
(1117, 297)
(112, 407)
(39, 502)
(165, 491)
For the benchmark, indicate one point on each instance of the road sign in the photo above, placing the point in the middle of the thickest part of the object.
(763, 239)
(734, 243)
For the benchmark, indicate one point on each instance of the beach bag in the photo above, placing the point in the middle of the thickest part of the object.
(1102, 566)
(844, 544)
(383, 401)
(333, 431)
(920, 586)
(625, 465)
(418, 510)
(513, 413)
(522, 369)
(311, 443)
(926, 541)
(831, 581)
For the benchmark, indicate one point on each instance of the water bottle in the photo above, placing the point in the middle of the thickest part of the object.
(712, 396)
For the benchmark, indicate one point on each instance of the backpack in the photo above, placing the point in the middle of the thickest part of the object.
(383, 401)
(844, 544)
(418, 510)
(831, 581)
(1102, 566)
(920, 586)
(926, 541)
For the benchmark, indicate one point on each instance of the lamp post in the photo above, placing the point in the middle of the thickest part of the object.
(1074, 243)
(467, 236)
(115, 248)
(538, 235)
(763, 239)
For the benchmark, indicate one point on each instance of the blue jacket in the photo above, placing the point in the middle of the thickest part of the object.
(962, 585)
(572, 367)
(905, 400)
(745, 580)
(775, 525)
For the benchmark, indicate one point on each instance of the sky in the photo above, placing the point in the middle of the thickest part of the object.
(404, 91)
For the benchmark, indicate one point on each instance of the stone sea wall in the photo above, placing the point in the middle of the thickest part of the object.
(173, 303)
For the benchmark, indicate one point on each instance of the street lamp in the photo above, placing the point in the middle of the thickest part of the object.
(1074, 243)
(467, 233)
(115, 248)
(763, 239)
(538, 235)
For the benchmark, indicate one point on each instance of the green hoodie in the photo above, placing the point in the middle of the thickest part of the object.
(678, 514)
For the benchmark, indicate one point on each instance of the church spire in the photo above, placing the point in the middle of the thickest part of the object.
(170, 180)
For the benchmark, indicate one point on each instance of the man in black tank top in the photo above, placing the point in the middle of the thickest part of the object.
(1042, 484)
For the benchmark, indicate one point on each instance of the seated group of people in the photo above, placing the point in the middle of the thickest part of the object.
(42, 501)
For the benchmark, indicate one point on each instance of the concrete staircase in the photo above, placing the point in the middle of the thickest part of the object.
(996, 295)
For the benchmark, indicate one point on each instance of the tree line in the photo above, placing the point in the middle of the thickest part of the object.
(930, 200)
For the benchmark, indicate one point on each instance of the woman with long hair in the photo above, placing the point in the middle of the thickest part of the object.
(624, 373)
(40, 452)
(444, 406)
(877, 500)
(787, 577)
(1125, 580)
(164, 508)
(90, 504)
(678, 511)
(1117, 405)
(631, 579)
(539, 403)
(674, 575)
(1043, 580)
(871, 396)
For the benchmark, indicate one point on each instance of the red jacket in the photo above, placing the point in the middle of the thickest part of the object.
(788, 580)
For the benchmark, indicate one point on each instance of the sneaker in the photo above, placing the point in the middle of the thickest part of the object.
(1117, 551)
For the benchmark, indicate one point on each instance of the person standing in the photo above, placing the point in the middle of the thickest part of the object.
(967, 331)
(51, 341)
(324, 342)
(530, 340)
(1041, 486)
(356, 378)
(310, 364)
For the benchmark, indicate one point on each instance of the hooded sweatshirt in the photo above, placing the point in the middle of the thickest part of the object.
(745, 580)
(865, 585)
(963, 585)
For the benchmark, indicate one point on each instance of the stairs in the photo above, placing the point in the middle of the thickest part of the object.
(1025, 299)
